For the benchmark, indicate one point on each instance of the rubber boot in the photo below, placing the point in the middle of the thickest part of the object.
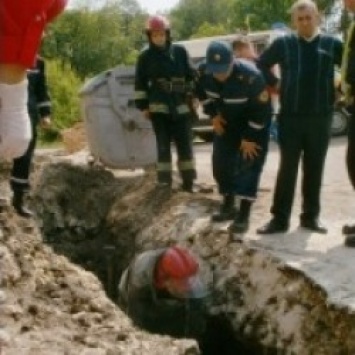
(188, 186)
(241, 221)
(227, 210)
(18, 204)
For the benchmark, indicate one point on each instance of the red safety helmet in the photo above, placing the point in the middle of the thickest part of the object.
(177, 262)
(157, 23)
(179, 266)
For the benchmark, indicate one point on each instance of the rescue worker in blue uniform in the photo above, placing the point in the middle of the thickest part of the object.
(236, 99)
(39, 109)
(164, 83)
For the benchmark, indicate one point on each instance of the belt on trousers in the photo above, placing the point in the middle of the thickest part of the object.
(178, 87)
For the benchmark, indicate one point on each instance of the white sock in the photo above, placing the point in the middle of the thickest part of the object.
(15, 125)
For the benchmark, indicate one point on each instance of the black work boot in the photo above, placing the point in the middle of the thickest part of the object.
(18, 204)
(227, 210)
(188, 186)
(241, 221)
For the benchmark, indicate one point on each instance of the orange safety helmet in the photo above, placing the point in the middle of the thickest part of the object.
(157, 23)
(177, 264)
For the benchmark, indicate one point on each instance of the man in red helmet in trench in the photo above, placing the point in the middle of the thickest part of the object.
(164, 81)
(162, 292)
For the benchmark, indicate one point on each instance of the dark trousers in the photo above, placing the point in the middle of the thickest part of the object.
(306, 137)
(178, 130)
(21, 167)
(233, 174)
(350, 153)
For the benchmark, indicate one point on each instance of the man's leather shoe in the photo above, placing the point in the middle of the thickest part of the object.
(273, 227)
(349, 229)
(350, 241)
(314, 225)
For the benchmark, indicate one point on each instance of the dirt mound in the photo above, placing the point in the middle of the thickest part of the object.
(91, 216)
(55, 307)
(91, 222)
(270, 307)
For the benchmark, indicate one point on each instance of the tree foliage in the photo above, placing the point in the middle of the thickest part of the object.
(95, 40)
(233, 15)
(207, 30)
(63, 85)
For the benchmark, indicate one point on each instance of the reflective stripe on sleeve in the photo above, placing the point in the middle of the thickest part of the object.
(140, 95)
(213, 94)
(236, 101)
(256, 125)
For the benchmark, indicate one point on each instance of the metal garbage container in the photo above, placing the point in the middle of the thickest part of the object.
(118, 134)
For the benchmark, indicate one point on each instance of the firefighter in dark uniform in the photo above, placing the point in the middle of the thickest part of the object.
(348, 86)
(164, 83)
(162, 292)
(39, 109)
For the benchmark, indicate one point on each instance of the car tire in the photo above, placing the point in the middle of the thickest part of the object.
(340, 122)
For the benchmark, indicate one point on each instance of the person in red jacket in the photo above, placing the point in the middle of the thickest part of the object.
(22, 23)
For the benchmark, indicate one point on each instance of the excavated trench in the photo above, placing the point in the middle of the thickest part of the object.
(258, 306)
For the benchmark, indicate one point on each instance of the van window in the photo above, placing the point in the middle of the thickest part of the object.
(197, 47)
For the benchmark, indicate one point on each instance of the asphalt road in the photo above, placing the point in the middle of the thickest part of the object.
(335, 175)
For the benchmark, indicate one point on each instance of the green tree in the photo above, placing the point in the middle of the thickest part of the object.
(207, 30)
(260, 15)
(189, 15)
(93, 40)
(63, 85)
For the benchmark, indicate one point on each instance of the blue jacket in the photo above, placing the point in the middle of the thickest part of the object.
(307, 72)
(242, 100)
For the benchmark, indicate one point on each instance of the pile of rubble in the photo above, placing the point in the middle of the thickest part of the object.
(91, 223)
